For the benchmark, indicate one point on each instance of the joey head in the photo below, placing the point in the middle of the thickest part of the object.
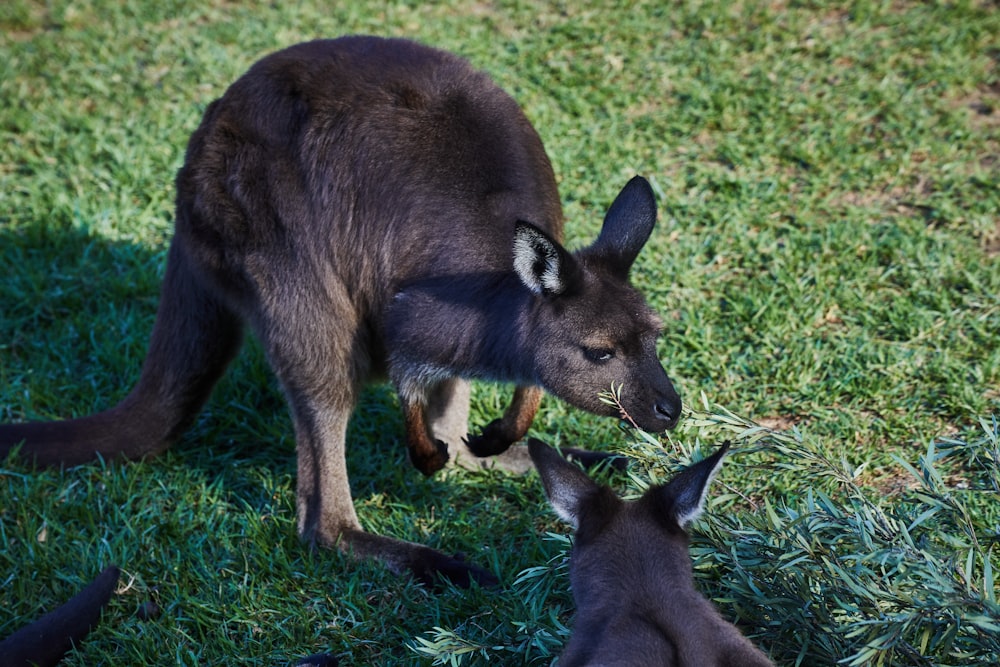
(631, 573)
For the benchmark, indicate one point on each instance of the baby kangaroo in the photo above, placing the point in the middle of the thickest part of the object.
(631, 573)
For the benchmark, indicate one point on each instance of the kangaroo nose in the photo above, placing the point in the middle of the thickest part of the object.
(669, 410)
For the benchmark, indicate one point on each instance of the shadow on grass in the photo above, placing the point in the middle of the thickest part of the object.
(77, 314)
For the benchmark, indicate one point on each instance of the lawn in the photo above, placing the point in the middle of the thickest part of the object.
(827, 260)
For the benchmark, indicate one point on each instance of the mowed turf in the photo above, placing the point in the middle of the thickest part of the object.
(826, 261)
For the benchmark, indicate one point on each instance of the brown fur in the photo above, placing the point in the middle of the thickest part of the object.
(372, 208)
(631, 573)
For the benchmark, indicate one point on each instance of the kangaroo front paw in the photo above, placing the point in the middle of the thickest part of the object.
(492, 441)
(429, 460)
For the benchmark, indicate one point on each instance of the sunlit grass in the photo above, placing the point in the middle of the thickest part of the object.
(825, 259)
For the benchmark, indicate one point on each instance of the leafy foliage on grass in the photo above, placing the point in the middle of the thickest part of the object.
(851, 577)
(839, 577)
(826, 259)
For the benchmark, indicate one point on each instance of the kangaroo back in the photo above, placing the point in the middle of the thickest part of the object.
(631, 573)
(375, 208)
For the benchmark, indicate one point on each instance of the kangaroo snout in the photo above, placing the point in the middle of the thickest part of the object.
(668, 410)
(663, 405)
(655, 410)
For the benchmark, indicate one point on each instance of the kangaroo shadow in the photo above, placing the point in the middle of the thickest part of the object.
(76, 312)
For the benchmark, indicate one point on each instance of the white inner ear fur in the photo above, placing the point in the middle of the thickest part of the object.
(685, 518)
(565, 501)
(529, 250)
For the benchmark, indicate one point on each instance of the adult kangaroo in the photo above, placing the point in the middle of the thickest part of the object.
(631, 573)
(376, 208)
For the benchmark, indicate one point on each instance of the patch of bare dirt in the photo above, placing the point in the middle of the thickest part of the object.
(779, 422)
(983, 107)
(991, 242)
(894, 483)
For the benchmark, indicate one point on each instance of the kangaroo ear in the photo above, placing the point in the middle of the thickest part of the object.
(566, 485)
(684, 495)
(540, 262)
(627, 227)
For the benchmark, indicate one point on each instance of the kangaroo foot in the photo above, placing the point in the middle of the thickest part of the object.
(318, 660)
(433, 568)
(429, 460)
(428, 566)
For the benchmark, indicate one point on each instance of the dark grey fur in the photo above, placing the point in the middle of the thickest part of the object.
(375, 208)
(44, 642)
(631, 573)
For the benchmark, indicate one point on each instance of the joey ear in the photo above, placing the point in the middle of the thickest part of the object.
(685, 493)
(544, 266)
(566, 485)
(627, 226)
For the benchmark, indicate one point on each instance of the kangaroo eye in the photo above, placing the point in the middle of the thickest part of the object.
(598, 354)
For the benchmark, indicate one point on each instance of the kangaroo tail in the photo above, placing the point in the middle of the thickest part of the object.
(194, 338)
(46, 641)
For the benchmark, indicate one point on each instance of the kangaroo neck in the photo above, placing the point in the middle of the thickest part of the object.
(473, 325)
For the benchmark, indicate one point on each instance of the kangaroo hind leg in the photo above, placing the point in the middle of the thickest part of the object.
(320, 362)
(326, 509)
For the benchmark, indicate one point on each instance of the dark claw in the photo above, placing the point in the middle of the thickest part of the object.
(491, 441)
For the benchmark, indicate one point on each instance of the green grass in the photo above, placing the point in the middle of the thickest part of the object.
(826, 258)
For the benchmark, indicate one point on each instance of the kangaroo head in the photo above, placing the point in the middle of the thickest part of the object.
(625, 548)
(592, 328)
(657, 520)
(631, 572)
